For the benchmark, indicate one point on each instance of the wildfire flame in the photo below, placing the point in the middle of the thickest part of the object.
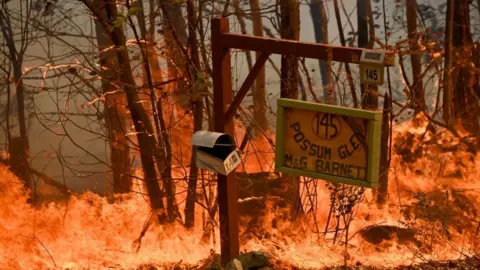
(90, 231)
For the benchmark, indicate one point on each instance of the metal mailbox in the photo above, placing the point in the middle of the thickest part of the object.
(216, 152)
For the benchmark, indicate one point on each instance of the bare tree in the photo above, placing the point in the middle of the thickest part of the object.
(289, 79)
(347, 66)
(418, 96)
(197, 103)
(447, 77)
(320, 27)
(19, 146)
(176, 38)
(465, 102)
(259, 97)
(148, 145)
(115, 107)
(366, 39)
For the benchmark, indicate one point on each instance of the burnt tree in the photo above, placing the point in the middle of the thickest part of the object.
(417, 95)
(143, 127)
(259, 96)
(115, 108)
(320, 27)
(465, 102)
(366, 35)
(197, 104)
(447, 76)
(19, 150)
(289, 78)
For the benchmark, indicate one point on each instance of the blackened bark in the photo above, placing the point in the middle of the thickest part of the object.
(21, 165)
(289, 79)
(197, 110)
(382, 195)
(115, 114)
(259, 96)
(321, 33)
(465, 103)
(447, 76)
(290, 29)
(143, 126)
(418, 95)
(347, 66)
(366, 34)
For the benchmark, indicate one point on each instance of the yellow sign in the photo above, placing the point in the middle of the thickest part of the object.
(324, 143)
(328, 142)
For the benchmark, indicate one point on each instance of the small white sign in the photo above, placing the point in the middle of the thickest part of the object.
(371, 74)
(206, 161)
(372, 67)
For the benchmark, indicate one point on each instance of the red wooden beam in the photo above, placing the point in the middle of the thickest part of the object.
(242, 92)
(299, 49)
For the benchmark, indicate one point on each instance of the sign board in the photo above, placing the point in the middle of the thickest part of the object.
(216, 152)
(328, 142)
(372, 67)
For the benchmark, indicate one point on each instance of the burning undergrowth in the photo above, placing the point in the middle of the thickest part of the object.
(431, 214)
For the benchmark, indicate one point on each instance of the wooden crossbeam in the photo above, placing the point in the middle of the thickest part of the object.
(299, 49)
(242, 92)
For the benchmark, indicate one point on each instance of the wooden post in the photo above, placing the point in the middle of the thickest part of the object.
(227, 185)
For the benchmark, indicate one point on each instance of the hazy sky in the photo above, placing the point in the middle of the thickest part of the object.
(44, 143)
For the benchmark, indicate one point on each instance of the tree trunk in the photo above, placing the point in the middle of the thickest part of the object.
(465, 103)
(366, 34)
(259, 96)
(21, 166)
(347, 66)
(418, 96)
(447, 77)
(164, 153)
(478, 5)
(176, 38)
(382, 193)
(115, 111)
(362, 24)
(143, 127)
(320, 27)
(197, 101)
(290, 29)
(362, 38)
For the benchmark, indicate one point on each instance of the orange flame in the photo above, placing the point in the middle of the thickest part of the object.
(90, 231)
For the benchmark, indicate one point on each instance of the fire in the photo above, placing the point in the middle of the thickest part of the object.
(430, 215)
(88, 231)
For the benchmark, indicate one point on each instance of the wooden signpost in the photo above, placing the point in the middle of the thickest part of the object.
(225, 106)
(328, 142)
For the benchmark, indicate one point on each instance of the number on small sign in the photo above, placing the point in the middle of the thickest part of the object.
(371, 74)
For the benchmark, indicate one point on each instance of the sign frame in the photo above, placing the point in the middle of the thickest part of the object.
(374, 129)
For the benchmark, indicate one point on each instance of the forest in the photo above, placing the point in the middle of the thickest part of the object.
(99, 100)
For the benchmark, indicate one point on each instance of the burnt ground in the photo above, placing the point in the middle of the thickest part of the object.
(468, 264)
(460, 264)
